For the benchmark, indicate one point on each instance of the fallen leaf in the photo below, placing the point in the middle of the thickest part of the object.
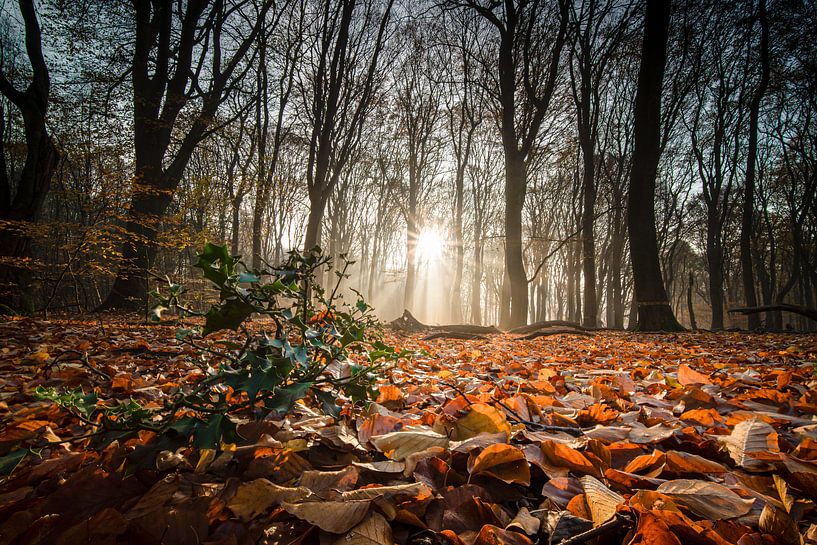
(601, 500)
(525, 522)
(751, 437)
(481, 418)
(399, 445)
(709, 500)
(255, 497)
(373, 530)
(687, 376)
(336, 517)
(780, 524)
(504, 462)
(491, 535)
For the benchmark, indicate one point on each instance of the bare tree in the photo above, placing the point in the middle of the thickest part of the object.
(747, 218)
(654, 311)
(20, 208)
(528, 52)
(338, 90)
(175, 46)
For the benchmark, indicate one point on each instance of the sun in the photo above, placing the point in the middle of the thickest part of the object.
(430, 245)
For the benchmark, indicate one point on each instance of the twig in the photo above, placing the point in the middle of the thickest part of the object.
(605, 528)
(456, 389)
(83, 358)
(541, 427)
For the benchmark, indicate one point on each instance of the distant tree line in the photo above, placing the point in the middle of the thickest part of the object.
(605, 162)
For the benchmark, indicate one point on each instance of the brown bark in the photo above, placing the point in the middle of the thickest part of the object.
(330, 146)
(809, 313)
(159, 97)
(25, 207)
(747, 217)
(654, 311)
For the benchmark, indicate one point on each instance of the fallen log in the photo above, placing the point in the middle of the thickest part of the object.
(547, 323)
(551, 332)
(809, 313)
(407, 322)
(454, 335)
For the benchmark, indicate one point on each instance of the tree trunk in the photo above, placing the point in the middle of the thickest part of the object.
(654, 311)
(235, 226)
(456, 282)
(749, 293)
(41, 160)
(590, 308)
(129, 290)
(476, 280)
(714, 261)
(690, 308)
(514, 203)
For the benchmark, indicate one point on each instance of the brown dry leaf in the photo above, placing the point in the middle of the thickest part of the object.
(388, 467)
(782, 489)
(750, 437)
(709, 500)
(492, 535)
(650, 465)
(601, 500)
(373, 530)
(651, 530)
(336, 517)
(684, 462)
(803, 475)
(481, 418)
(321, 481)
(687, 376)
(409, 490)
(255, 497)
(399, 445)
(643, 435)
(503, 462)
(780, 524)
(561, 455)
(525, 522)
(561, 525)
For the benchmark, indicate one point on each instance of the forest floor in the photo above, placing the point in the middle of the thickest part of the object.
(694, 438)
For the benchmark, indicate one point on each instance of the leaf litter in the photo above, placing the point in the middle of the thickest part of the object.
(694, 438)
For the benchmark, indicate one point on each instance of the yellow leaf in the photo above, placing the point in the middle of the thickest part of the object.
(41, 356)
(481, 418)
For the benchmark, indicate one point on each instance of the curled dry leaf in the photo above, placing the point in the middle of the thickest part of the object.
(779, 523)
(504, 462)
(708, 500)
(373, 530)
(564, 524)
(410, 490)
(687, 376)
(321, 481)
(601, 500)
(388, 467)
(492, 535)
(336, 517)
(255, 497)
(651, 530)
(399, 445)
(525, 522)
(751, 437)
(684, 462)
(561, 455)
(481, 418)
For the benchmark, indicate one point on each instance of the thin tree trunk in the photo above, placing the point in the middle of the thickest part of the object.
(747, 217)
